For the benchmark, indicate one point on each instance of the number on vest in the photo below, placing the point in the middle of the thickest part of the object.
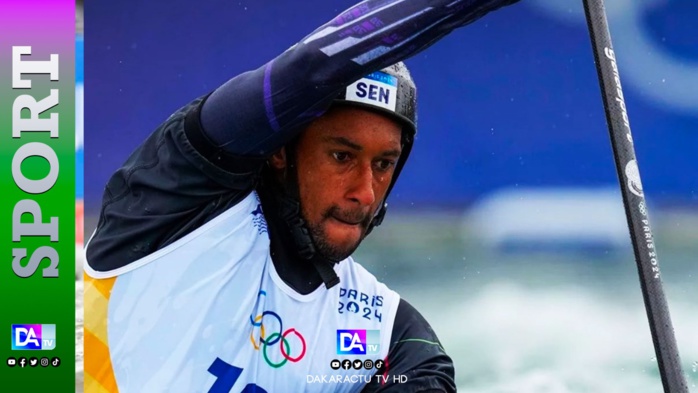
(227, 375)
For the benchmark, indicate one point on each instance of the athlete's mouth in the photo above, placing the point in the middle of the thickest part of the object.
(347, 222)
(356, 218)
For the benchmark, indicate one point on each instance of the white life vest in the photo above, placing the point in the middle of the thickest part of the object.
(209, 313)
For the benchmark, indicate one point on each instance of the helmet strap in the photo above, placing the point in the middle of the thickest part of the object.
(288, 202)
(378, 218)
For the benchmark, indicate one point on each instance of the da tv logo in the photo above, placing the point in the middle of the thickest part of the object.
(358, 342)
(33, 337)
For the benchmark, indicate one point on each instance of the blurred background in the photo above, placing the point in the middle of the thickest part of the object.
(506, 228)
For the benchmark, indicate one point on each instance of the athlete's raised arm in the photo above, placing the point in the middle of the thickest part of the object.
(208, 155)
(256, 112)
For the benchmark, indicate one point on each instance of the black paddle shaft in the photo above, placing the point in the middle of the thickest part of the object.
(636, 213)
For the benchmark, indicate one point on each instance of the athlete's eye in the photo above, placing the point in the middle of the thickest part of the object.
(385, 165)
(341, 156)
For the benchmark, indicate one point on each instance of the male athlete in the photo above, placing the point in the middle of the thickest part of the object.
(222, 258)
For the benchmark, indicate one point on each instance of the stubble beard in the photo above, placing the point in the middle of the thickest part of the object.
(326, 248)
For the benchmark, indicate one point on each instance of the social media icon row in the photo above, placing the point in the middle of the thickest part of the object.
(33, 362)
(357, 364)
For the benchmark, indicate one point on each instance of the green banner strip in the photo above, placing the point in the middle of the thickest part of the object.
(37, 183)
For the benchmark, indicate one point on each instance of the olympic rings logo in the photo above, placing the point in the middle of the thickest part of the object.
(280, 337)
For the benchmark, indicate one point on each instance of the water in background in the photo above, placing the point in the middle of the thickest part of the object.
(533, 322)
(537, 322)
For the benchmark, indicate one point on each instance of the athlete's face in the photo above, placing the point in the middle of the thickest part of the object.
(346, 160)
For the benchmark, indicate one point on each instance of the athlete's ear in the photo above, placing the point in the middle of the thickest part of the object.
(278, 160)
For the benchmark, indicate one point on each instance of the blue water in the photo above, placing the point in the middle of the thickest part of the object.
(538, 322)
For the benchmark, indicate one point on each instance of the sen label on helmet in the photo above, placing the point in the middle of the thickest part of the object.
(377, 89)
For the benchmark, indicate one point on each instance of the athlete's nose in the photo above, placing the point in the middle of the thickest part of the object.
(361, 189)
